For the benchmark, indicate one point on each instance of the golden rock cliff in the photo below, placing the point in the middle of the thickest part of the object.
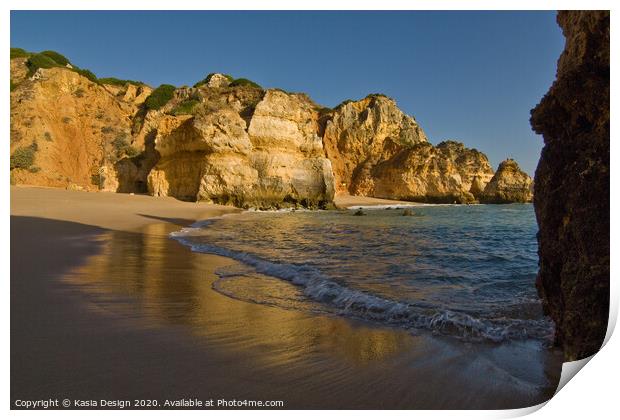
(64, 128)
(226, 142)
(378, 151)
(361, 134)
(509, 185)
(446, 173)
(215, 155)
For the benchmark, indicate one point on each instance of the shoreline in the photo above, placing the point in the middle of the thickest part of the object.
(353, 201)
(121, 310)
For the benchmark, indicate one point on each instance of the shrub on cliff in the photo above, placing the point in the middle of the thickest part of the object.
(19, 52)
(184, 108)
(123, 148)
(376, 95)
(49, 59)
(343, 103)
(87, 73)
(57, 57)
(23, 157)
(118, 82)
(245, 82)
(40, 61)
(159, 97)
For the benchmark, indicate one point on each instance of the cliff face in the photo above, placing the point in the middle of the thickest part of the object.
(65, 127)
(509, 185)
(571, 194)
(361, 134)
(226, 141)
(275, 161)
(378, 151)
(447, 173)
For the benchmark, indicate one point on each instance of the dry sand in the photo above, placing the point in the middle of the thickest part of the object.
(351, 201)
(108, 210)
(105, 306)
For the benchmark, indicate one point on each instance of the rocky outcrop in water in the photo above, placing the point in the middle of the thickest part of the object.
(509, 185)
(227, 141)
(361, 134)
(571, 195)
(446, 173)
(378, 151)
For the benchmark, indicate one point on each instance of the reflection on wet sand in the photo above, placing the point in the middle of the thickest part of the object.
(156, 282)
(173, 287)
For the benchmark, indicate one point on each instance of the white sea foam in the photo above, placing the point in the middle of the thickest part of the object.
(358, 304)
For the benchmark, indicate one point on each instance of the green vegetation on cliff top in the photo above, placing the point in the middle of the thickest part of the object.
(40, 61)
(19, 52)
(87, 73)
(244, 82)
(159, 97)
(118, 82)
(57, 57)
(49, 59)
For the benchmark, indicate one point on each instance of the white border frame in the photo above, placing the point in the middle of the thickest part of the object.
(592, 393)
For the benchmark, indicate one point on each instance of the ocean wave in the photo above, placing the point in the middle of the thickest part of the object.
(366, 306)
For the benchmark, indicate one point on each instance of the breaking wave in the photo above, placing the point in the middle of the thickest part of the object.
(346, 301)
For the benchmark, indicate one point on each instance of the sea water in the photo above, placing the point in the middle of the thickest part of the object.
(466, 272)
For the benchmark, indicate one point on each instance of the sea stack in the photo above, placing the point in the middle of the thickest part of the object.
(509, 185)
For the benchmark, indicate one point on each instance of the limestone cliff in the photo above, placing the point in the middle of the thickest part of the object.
(376, 150)
(276, 160)
(224, 140)
(509, 185)
(65, 128)
(446, 173)
(360, 134)
(571, 194)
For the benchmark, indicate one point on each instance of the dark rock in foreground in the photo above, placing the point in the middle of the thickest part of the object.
(571, 194)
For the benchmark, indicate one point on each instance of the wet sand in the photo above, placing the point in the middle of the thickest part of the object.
(105, 305)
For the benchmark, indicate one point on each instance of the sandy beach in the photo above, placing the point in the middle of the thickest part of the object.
(104, 305)
(346, 201)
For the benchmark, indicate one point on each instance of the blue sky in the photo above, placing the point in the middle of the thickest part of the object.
(469, 76)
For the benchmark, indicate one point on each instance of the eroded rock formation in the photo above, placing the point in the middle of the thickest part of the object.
(276, 161)
(378, 151)
(571, 194)
(68, 125)
(446, 173)
(509, 185)
(361, 134)
(227, 141)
